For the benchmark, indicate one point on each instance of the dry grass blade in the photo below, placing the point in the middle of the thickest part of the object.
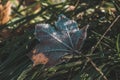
(97, 69)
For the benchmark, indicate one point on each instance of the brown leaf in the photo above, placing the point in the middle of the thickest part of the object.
(5, 11)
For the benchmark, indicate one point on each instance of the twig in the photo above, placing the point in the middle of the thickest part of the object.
(94, 65)
(97, 69)
(93, 48)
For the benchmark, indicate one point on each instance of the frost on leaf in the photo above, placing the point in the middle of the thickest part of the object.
(54, 43)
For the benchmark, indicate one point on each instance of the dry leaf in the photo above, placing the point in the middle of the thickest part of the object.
(70, 8)
(5, 11)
